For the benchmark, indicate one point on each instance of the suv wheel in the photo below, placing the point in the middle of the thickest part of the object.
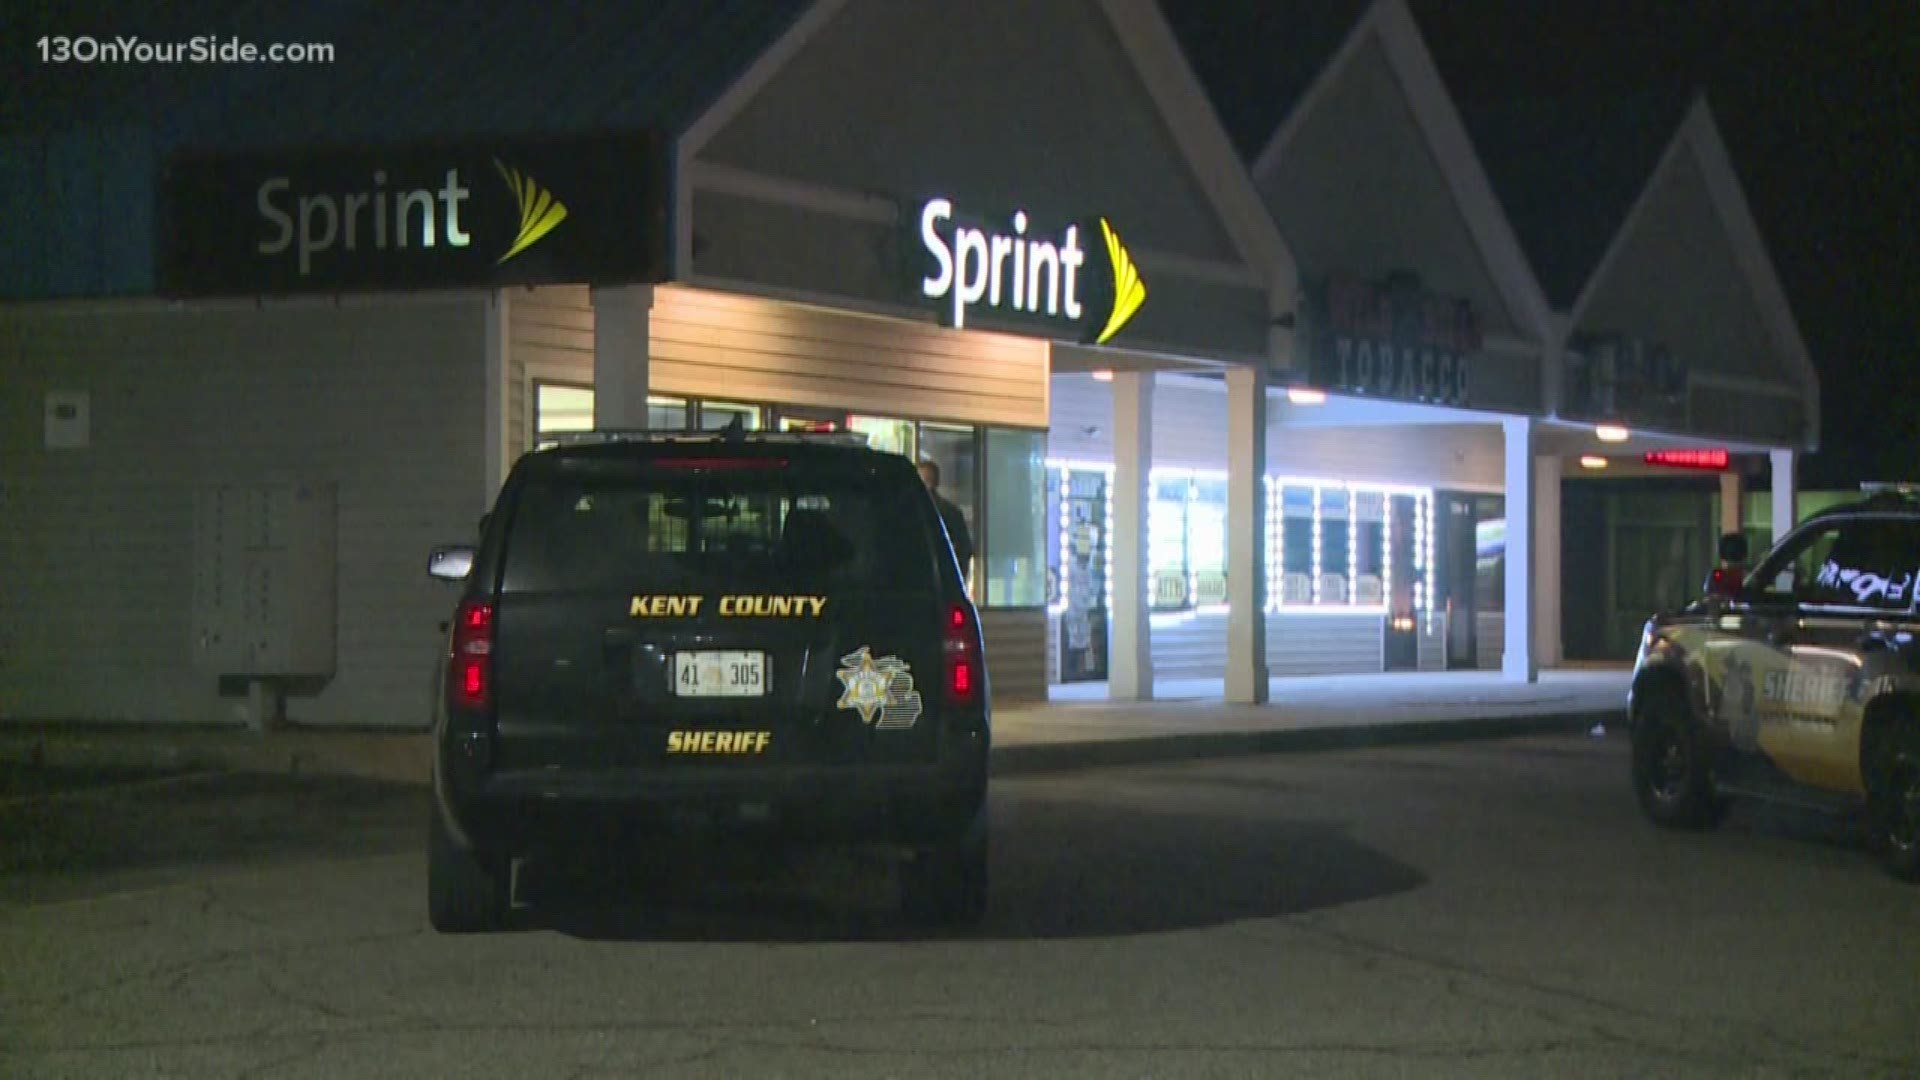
(946, 884)
(1894, 805)
(1670, 774)
(466, 891)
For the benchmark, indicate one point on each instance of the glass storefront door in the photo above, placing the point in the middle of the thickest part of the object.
(1077, 555)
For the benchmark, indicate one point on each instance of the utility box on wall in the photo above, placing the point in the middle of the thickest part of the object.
(264, 580)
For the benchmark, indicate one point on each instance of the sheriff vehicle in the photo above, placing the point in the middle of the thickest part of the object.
(709, 635)
(1799, 681)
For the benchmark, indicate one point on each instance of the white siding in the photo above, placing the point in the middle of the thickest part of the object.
(1190, 431)
(549, 337)
(744, 348)
(1016, 653)
(1189, 423)
(384, 399)
(1298, 643)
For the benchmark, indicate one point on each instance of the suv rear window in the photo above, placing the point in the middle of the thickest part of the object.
(1850, 562)
(611, 525)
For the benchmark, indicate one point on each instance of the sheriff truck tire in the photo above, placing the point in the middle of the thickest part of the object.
(466, 892)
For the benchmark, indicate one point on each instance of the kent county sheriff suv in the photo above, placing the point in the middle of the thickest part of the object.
(709, 635)
(1800, 682)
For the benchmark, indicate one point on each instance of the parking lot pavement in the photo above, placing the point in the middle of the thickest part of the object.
(1483, 909)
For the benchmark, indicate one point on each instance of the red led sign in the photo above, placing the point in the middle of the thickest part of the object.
(1689, 459)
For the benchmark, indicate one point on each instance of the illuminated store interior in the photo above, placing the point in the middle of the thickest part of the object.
(1331, 545)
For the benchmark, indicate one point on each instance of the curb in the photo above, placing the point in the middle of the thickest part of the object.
(1045, 758)
(405, 758)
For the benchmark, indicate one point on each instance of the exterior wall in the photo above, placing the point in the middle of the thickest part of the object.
(747, 349)
(1017, 652)
(1359, 190)
(382, 398)
(974, 100)
(1190, 432)
(1707, 314)
(549, 337)
(1195, 646)
(814, 186)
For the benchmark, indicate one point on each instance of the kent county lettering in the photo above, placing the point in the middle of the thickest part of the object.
(743, 606)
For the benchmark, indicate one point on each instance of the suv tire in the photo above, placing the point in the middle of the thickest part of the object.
(946, 884)
(1671, 777)
(466, 891)
(1894, 804)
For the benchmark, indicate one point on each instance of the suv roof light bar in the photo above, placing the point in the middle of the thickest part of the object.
(589, 438)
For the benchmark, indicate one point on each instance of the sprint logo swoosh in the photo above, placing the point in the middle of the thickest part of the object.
(540, 212)
(1129, 292)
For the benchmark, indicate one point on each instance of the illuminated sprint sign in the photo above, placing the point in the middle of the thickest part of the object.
(1047, 278)
(414, 216)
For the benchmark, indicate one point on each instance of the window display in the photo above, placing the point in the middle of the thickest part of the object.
(1329, 545)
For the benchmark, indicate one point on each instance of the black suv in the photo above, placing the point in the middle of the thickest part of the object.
(709, 634)
(1799, 681)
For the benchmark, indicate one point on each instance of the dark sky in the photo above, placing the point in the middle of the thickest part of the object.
(1570, 102)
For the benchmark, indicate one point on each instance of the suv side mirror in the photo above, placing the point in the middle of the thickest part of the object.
(1733, 548)
(451, 563)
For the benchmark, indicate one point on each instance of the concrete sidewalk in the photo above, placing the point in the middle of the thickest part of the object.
(1078, 731)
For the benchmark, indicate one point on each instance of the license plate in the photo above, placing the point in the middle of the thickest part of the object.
(720, 674)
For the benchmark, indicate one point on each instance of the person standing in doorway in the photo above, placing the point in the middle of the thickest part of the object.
(950, 515)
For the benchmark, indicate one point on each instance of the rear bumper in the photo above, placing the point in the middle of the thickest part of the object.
(520, 811)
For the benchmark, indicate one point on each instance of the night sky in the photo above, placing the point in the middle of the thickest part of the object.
(1571, 101)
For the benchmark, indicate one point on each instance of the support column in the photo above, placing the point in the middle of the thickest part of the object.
(1130, 648)
(1784, 508)
(1546, 561)
(498, 393)
(620, 337)
(1246, 536)
(1732, 517)
(1517, 663)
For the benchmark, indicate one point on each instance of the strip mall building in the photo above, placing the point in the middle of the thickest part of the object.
(1210, 418)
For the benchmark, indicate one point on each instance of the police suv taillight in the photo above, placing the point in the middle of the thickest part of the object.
(470, 660)
(962, 648)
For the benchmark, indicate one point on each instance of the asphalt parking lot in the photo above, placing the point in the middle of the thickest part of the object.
(1475, 909)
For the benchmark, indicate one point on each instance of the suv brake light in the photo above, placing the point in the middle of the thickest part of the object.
(962, 647)
(470, 661)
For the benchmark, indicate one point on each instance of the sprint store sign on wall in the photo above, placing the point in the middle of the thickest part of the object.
(1077, 282)
(516, 212)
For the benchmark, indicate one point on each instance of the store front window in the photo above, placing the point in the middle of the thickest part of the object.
(666, 413)
(1333, 573)
(1168, 568)
(1328, 544)
(563, 407)
(1296, 545)
(1014, 555)
(715, 415)
(894, 437)
(1207, 541)
(1369, 548)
